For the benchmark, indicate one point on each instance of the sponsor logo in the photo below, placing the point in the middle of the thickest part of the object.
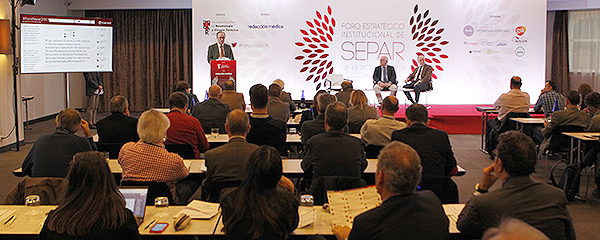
(206, 26)
(520, 30)
(486, 43)
(495, 16)
(468, 30)
(501, 44)
(474, 51)
(470, 43)
(222, 66)
(491, 51)
(265, 26)
(520, 51)
(516, 39)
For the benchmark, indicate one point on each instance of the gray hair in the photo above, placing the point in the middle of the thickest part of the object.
(401, 166)
(237, 122)
(152, 126)
(68, 119)
(118, 104)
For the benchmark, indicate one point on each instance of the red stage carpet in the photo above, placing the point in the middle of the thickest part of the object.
(454, 119)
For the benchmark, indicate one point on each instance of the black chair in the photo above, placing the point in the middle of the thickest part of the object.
(372, 151)
(560, 144)
(155, 189)
(112, 149)
(211, 192)
(504, 125)
(321, 185)
(208, 124)
(443, 187)
(183, 150)
(354, 127)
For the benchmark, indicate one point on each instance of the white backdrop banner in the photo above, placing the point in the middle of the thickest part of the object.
(474, 46)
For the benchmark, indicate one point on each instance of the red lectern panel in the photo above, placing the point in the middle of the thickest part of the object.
(221, 71)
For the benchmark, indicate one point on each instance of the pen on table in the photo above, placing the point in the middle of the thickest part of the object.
(150, 224)
(11, 218)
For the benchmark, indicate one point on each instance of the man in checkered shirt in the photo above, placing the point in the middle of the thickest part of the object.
(548, 98)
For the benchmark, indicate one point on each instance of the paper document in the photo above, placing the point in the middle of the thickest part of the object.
(308, 215)
(345, 205)
(200, 210)
(5, 214)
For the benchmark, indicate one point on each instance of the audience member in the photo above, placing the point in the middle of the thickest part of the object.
(434, 150)
(592, 155)
(384, 77)
(51, 154)
(312, 112)
(92, 206)
(285, 96)
(549, 100)
(259, 208)
(148, 160)
(228, 162)
(119, 127)
(584, 89)
(184, 87)
(539, 204)
(234, 99)
(404, 213)
(334, 153)
(378, 132)
(344, 95)
(212, 113)
(184, 129)
(316, 126)
(265, 129)
(359, 111)
(513, 229)
(275, 107)
(569, 117)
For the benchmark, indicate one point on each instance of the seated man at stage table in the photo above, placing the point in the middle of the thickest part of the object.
(419, 80)
(219, 49)
(285, 96)
(384, 77)
(569, 117)
(264, 128)
(435, 151)
(334, 153)
(404, 212)
(212, 113)
(228, 162)
(538, 204)
(184, 129)
(52, 153)
(317, 125)
(234, 99)
(378, 132)
(275, 107)
(119, 127)
(549, 99)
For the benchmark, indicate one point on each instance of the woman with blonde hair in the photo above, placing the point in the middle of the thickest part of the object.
(91, 206)
(359, 111)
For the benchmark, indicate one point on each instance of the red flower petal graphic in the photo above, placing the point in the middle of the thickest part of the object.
(299, 57)
(313, 32)
(324, 45)
(436, 60)
(318, 14)
(329, 37)
(313, 69)
(323, 63)
(431, 30)
(319, 51)
(423, 30)
(317, 22)
(309, 77)
(312, 46)
(436, 49)
(420, 44)
(413, 29)
(421, 37)
(439, 31)
(414, 62)
(330, 30)
(312, 55)
(303, 69)
(427, 60)
(303, 31)
(324, 55)
(434, 23)
(299, 44)
(331, 71)
(329, 10)
(316, 40)
(427, 38)
(320, 31)
(444, 42)
(332, 23)
(424, 49)
(306, 62)
(434, 76)
(431, 45)
(326, 19)
(317, 78)
(439, 67)
(320, 70)
(429, 53)
(306, 39)
(316, 61)
(437, 38)
(444, 56)
(306, 50)
(310, 24)
(323, 38)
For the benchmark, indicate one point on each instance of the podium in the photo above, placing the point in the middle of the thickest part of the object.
(221, 71)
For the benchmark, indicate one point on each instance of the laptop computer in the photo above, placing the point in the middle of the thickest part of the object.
(135, 199)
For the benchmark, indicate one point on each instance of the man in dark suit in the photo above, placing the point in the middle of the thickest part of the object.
(212, 113)
(384, 77)
(228, 162)
(334, 153)
(344, 95)
(265, 129)
(419, 79)
(538, 204)
(317, 125)
(219, 49)
(404, 212)
(434, 150)
(275, 107)
(234, 99)
(118, 127)
(568, 117)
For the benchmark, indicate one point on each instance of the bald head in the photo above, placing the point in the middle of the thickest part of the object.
(401, 167)
(214, 92)
(68, 119)
(237, 123)
(389, 106)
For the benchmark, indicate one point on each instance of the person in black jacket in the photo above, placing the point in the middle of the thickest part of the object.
(118, 127)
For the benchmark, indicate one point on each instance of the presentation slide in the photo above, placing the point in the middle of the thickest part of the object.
(51, 44)
(474, 46)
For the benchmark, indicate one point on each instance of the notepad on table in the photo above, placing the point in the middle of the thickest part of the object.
(200, 210)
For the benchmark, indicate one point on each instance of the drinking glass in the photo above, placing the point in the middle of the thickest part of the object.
(292, 130)
(162, 203)
(307, 200)
(32, 202)
(214, 132)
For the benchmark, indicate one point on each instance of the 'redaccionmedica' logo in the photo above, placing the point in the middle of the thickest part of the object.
(428, 36)
(206, 26)
(315, 42)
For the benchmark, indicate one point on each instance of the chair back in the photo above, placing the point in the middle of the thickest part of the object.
(443, 187)
(560, 142)
(372, 151)
(354, 127)
(155, 189)
(321, 185)
(212, 191)
(112, 149)
(183, 150)
(48, 188)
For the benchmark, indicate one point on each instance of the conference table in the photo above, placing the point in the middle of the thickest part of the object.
(30, 225)
(486, 111)
(580, 137)
(521, 122)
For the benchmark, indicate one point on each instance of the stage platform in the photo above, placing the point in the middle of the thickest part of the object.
(454, 119)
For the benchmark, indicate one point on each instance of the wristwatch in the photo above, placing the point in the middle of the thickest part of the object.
(478, 191)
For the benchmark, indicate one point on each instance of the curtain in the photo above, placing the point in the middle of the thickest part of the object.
(152, 51)
(584, 42)
(560, 52)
